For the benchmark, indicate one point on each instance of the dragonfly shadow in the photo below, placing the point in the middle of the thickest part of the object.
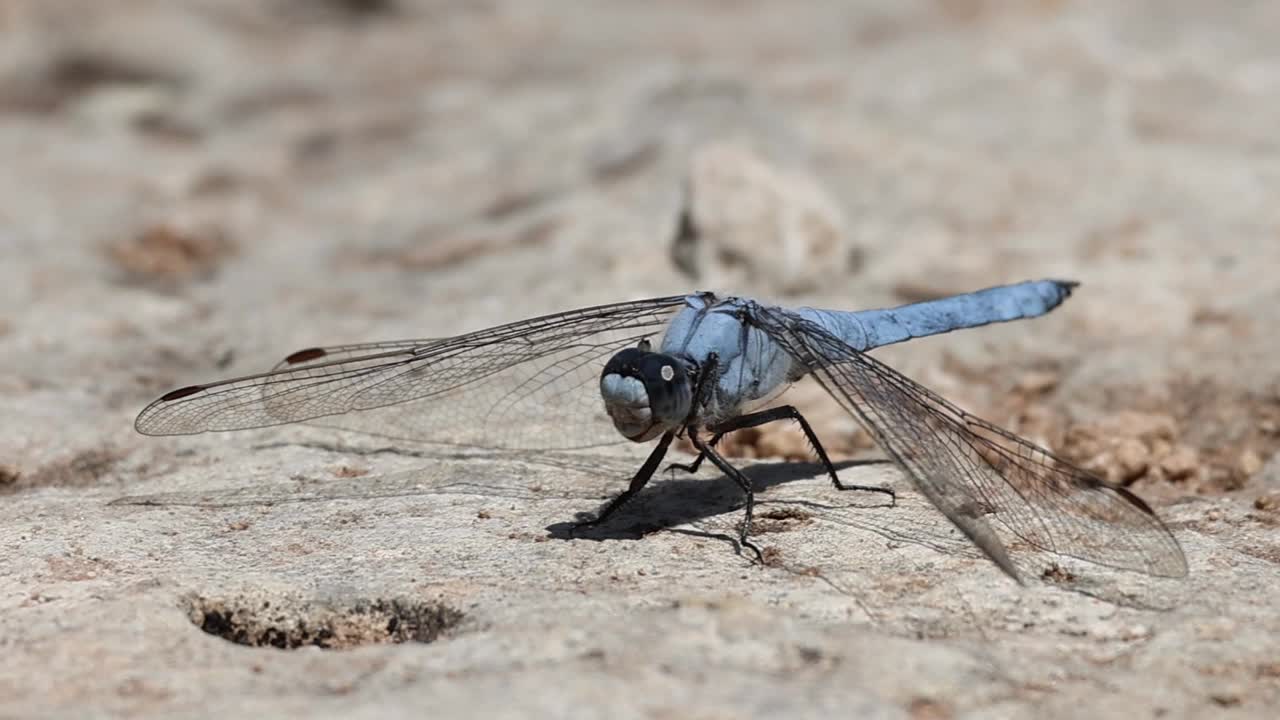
(674, 503)
(706, 506)
(677, 500)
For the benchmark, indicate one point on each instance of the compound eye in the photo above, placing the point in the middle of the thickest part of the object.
(668, 373)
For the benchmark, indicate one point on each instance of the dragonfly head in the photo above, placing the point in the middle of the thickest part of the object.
(645, 393)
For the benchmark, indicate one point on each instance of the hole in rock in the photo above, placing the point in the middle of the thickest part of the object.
(288, 623)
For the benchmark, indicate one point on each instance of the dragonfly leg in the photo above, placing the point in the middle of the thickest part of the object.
(739, 423)
(640, 479)
(692, 467)
(736, 475)
(789, 411)
(783, 412)
(706, 383)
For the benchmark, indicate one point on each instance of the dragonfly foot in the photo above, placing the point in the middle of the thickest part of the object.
(690, 468)
(893, 496)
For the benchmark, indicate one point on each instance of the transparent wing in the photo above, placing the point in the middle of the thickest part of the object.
(532, 384)
(993, 485)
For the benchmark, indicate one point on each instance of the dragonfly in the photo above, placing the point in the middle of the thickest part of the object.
(700, 366)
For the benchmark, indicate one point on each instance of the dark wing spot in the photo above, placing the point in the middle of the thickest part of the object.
(305, 355)
(1134, 500)
(181, 392)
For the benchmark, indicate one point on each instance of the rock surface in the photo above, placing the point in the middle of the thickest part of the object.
(194, 189)
(748, 223)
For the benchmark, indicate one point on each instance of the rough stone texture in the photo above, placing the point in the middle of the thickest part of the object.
(194, 189)
(749, 223)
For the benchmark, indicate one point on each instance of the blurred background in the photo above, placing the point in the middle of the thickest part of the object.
(195, 188)
(192, 189)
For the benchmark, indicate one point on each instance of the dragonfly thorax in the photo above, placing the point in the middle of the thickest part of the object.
(645, 393)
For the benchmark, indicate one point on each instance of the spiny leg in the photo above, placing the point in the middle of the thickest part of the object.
(640, 479)
(736, 475)
(692, 467)
(741, 422)
(783, 412)
(792, 412)
(706, 384)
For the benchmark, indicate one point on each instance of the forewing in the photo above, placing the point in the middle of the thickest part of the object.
(1003, 492)
(527, 385)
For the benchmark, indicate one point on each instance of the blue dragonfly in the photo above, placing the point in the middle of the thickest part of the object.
(593, 376)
